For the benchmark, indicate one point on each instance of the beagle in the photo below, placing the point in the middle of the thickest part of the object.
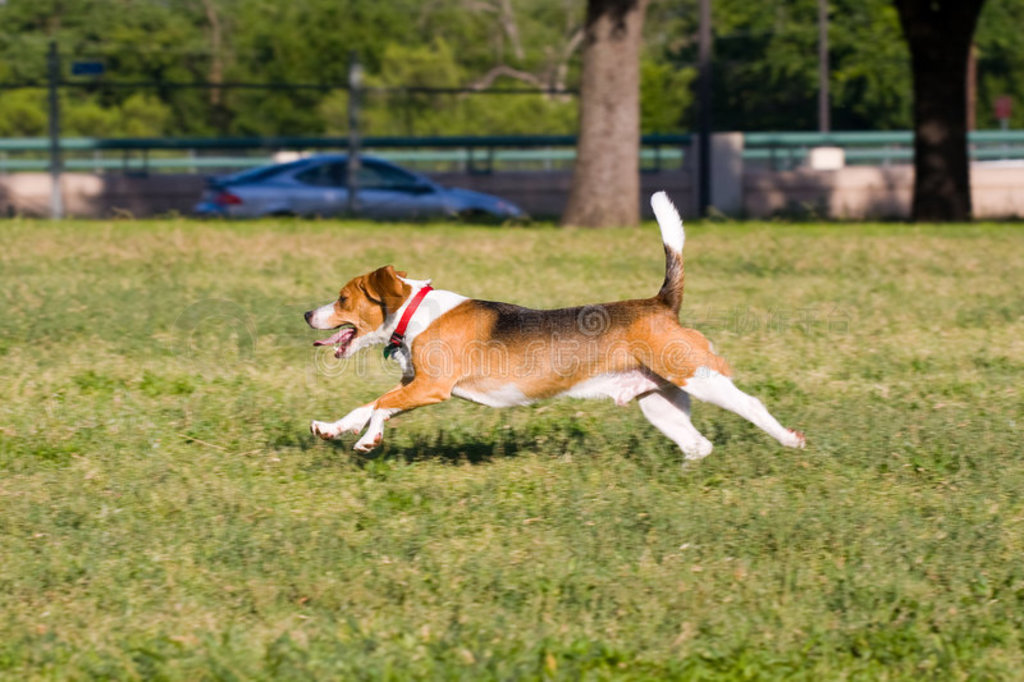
(500, 355)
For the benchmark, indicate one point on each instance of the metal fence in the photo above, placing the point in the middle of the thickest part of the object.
(790, 149)
(782, 150)
(208, 155)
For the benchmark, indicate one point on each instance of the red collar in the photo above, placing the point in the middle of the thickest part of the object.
(395, 342)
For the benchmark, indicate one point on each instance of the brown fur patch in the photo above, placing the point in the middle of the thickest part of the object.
(483, 346)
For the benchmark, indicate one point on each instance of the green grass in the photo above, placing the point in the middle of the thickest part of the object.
(165, 514)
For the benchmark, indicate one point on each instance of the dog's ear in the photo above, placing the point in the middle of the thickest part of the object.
(383, 286)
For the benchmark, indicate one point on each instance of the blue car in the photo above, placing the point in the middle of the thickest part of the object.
(316, 186)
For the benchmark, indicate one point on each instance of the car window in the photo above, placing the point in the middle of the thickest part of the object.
(323, 175)
(371, 176)
(375, 176)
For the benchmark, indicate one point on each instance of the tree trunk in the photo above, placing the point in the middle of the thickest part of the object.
(606, 180)
(939, 34)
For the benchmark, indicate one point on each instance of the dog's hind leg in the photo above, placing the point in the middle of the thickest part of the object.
(718, 389)
(668, 408)
(685, 358)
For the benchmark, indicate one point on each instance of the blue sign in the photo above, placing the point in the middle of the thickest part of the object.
(87, 68)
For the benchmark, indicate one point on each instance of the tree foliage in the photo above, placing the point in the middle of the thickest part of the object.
(765, 64)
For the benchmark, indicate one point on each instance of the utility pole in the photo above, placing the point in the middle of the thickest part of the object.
(53, 80)
(355, 84)
(704, 123)
(972, 87)
(824, 119)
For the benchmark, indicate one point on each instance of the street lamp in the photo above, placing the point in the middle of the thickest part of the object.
(824, 119)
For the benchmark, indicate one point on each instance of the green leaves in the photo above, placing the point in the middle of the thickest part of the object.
(765, 65)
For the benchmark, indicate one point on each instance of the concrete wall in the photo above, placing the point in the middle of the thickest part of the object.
(997, 191)
(546, 193)
(858, 192)
(94, 195)
(88, 195)
(853, 192)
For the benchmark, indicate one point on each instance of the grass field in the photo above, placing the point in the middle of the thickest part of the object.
(164, 513)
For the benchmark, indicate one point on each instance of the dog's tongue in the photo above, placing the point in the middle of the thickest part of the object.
(337, 338)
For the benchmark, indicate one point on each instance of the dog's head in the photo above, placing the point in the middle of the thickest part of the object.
(362, 307)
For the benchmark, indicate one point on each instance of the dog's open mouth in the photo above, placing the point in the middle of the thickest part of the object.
(340, 340)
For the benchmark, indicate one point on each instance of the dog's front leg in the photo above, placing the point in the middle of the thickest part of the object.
(353, 422)
(417, 393)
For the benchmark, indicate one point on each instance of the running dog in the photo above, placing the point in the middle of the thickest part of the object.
(500, 355)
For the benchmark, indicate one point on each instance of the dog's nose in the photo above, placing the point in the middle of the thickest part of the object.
(308, 316)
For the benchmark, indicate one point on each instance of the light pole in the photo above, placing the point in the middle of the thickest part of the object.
(53, 80)
(824, 119)
(704, 123)
(355, 84)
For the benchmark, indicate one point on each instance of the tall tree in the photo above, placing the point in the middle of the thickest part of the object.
(939, 34)
(606, 180)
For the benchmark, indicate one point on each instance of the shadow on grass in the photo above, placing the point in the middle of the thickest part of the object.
(463, 446)
(457, 448)
(643, 446)
(442, 447)
(471, 447)
(645, 449)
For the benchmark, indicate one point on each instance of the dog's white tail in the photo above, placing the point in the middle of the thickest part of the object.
(673, 236)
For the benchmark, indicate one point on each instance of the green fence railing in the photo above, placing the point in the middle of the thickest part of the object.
(475, 154)
(484, 154)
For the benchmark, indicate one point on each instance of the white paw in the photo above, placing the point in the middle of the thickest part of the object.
(352, 424)
(325, 430)
(698, 450)
(795, 439)
(368, 442)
